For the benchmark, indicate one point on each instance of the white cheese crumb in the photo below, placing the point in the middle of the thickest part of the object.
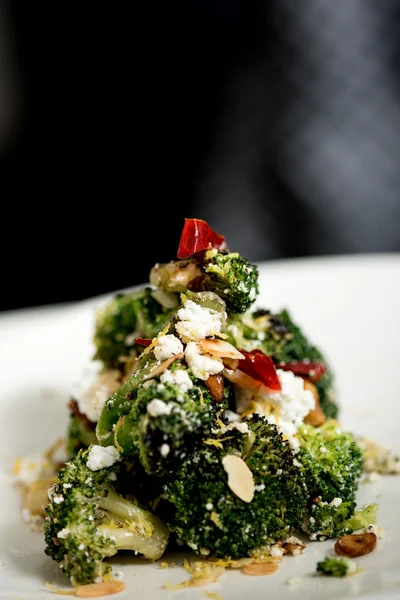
(336, 502)
(164, 450)
(259, 488)
(118, 574)
(197, 322)
(66, 486)
(63, 533)
(157, 407)
(231, 416)
(58, 498)
(89, 393)
(97, 580)
(293, 581)
(285, 409)
(112, 476)
(279, 471)
(179, 377)
(167, 346)
(101, 457)
(209, 506)
(373, 528)
(276, 551)
(202, 365)
(81, 547)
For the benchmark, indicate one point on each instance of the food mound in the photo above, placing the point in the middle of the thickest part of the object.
(204, 422)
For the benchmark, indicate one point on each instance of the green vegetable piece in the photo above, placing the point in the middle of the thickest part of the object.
(338, 566)
(87, 520)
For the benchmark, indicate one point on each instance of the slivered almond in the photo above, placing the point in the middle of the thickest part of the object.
(257, 569)
(159, 369)
(220, 348)
(215, 385)
(95, 590)
(316, 416)
(240, 478)
(242, 380)
(353, 545)
(230, 363)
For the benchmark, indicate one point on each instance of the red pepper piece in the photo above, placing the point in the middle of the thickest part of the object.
(312, 370)
(143, 341)
(260, 367)
(198, 236)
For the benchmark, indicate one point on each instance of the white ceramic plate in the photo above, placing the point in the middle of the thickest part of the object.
(349, 306)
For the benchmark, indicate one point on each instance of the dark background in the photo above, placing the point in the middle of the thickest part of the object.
(278, 122)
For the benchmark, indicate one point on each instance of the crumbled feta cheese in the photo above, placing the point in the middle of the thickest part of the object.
(157, 407)
(279, 471)
(276, 550)
(179, 377)
(286, 409)
(197, 322)
(164, 450)
(58, 498)
(90, 393)
(101, 457)
(231, 416)
(202, 365)
(336, 502)
(97, 580)
(66, 486)
(63, 533)
(81, 547)
(167, 346)
(112, 476)
(373, 528)
(209, 506)
(259, 488)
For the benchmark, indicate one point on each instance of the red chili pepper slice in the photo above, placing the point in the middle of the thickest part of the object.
(143, 341)
(198, 236)
(312, 370)
(260, 367)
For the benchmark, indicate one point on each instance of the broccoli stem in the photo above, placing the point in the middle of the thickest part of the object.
(142, 531)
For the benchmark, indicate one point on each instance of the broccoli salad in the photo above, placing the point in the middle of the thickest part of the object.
(202, 423)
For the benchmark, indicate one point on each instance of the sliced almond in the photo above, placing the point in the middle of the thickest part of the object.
(316, 416)
(257, 569)
(242, 380)
(240, 478)
(355, 544)
(159, 369)
(215, 385)
(220, 348)
(230, 363)
(95, 590)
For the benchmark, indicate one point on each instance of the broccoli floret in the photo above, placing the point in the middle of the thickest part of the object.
(209, 517)
(328, 520)
(332, 461)
(232, 277)
(88, 520)
(278, 336)
(79, 435)
(337, 566)
(225, 273)
(135, 314)
(166, 422)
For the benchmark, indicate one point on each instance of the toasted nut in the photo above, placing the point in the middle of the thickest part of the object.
(240, 478)
(220, 348)
(355, 544)
(215, 385)
(230, 363)
(266, 568)
(95, 590)
(295, 548)
(316, 416)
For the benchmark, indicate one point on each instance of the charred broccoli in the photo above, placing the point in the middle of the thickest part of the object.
(203, 511)
(88, 520)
